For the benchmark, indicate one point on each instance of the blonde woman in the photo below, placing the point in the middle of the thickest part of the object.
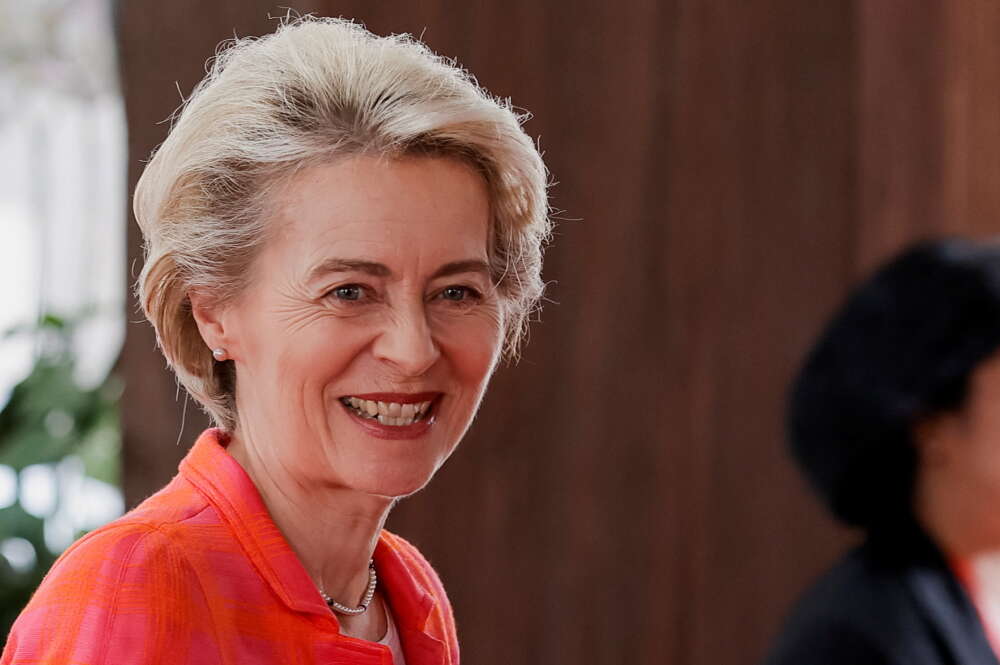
(343, 236)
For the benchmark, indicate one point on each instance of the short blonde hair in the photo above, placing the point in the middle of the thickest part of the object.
(315, 90)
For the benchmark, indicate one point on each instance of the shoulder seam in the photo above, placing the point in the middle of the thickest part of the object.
(113, 609)
(149, 529)
(194, 572)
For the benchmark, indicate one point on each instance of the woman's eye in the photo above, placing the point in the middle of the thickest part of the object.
(458, 294)
(348, 292)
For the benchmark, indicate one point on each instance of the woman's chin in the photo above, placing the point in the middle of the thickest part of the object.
(394, 488)
(396, 484)
(389, 467)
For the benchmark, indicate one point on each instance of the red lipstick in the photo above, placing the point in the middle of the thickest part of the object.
(374, 428)
(381, 431)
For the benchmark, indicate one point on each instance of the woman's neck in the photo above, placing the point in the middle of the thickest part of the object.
(332, 530)
(960, 521)
(962, 524)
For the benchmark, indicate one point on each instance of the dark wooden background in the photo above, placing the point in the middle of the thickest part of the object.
(725, 171)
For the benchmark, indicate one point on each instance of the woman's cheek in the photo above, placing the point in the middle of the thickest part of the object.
(477, 340)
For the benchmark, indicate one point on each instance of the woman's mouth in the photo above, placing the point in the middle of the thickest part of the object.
(389, 413)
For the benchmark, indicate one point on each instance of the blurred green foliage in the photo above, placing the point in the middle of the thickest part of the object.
(50, 416)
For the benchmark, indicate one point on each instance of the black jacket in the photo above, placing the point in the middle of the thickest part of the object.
(893, 600)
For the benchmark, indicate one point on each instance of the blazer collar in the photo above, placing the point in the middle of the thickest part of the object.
(943, 601)
(225, 484)
(413, 606)
(951, 613)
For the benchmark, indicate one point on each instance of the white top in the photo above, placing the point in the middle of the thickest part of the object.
(391, 639)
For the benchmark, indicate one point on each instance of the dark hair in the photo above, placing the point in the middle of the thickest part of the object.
(900, 349)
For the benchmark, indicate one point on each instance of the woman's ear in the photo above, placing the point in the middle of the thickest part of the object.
(208, 317)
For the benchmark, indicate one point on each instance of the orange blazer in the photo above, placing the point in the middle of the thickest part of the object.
(199, 574)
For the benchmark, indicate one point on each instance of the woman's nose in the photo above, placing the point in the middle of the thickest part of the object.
(408, 344)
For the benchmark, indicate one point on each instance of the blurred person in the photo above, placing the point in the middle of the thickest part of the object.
(895, 420)
(343, 235)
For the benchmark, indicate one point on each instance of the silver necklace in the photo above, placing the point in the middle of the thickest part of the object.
(366, 599)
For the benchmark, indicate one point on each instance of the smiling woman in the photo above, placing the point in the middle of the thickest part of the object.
(343, 235)
(377, 291)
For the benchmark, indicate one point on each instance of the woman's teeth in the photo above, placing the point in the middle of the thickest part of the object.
(387, 413)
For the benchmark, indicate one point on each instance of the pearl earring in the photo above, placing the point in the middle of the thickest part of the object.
(219, 354)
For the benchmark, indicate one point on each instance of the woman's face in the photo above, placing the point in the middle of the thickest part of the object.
(975, 435)
(370, 327)
(959, 474)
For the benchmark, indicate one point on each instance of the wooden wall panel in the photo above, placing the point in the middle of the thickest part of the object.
(725, 171)
(970, 169)
(901, 48)
(760, 210)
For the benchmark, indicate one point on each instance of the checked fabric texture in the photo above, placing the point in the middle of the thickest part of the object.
(200, 574)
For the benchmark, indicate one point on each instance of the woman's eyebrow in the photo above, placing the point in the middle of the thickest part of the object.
(457, 267)
(328, 266)
(375, 269)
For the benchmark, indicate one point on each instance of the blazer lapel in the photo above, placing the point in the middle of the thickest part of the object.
(948, 609)
(413, 608)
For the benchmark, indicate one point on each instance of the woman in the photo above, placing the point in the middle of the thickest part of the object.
(343, 234)
(895, 419)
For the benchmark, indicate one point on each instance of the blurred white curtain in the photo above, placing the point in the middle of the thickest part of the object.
(62, 179)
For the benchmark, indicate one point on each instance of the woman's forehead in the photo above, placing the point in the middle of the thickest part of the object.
(383, 211)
